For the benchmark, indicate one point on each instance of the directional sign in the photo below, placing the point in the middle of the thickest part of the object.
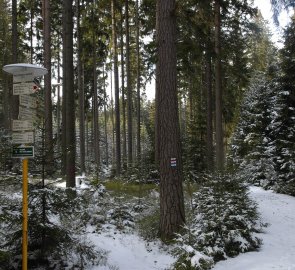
(26, 77)
(26, 113)
(23, 152)
(22, 125)
(24, 88)
(23, 137)
(27, 101)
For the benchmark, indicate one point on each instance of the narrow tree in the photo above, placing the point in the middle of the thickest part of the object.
(95, 97)
(218, 90)
(47, 87)
(209, 128)
(14, 99)
(129, 90)
(138, 82)
(81, 93)
(105, 117)
(116, 86)
(68, 94)
(167, 130)
(124, 146)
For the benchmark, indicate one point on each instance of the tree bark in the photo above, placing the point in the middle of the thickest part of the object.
(209, 114)
(81, 94)
(117, 98)
(172, 215)
(68, 87)
(124, 154)
(218, 91)
(138, 84)
(129, 90)
(47, 88)
(95, 99)
(105, 119)
(14, 100)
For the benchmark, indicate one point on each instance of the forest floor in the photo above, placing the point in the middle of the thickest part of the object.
(278, 247)
(130, 252)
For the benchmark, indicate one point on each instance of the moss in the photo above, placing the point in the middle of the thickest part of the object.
(133, 189)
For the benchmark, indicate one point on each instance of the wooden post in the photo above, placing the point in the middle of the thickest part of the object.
(25, 216)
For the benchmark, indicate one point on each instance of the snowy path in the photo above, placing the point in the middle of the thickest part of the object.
(130, 252)
(278, 249)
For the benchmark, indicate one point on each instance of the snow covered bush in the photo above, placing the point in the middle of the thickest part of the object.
(57, 224)
(223, 224)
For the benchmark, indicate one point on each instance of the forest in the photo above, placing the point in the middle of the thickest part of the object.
(154, 118)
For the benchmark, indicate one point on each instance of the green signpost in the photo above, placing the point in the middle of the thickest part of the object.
(23, 152)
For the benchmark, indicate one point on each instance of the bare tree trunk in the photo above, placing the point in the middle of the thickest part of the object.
(124, 156)
(209, 108)
(58, 110)
(218, 91)
(14, 32)
(14, 99)
(138, 83)
(95, 110)
(116, 86)
(68, 86)
(47, 88)
(81, 95)
(129, 90)
(31, 30)
(105, 119)
(113, 124)
(172, 215)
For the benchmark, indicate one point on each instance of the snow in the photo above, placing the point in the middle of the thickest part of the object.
(130, 252)
(278, 249)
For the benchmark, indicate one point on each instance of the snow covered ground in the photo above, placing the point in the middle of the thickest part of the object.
(278, 249)
(129, 252)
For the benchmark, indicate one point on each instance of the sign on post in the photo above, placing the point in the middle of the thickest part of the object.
(28, 101)
(25, 77)
(23, 152)
(23, 73)
(22, 125)
(23, 137)
(24, 88)
(26, 113)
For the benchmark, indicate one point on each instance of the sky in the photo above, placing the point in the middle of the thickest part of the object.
(284, 18)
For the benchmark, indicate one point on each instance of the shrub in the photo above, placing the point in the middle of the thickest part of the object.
(223, 224)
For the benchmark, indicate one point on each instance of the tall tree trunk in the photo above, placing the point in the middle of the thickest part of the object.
(47, 88)
(58, 109)
(81, 94)
(138, 83)
(113, 124)
(105, 119)
(209, 128)
(124, 156)
(116, 86)
(68, 95)
(172, 215)
(14, 99)
(129, 90)
(95, 105)
(218, 91)
(31, 30)
(95, 99)
(14, 32)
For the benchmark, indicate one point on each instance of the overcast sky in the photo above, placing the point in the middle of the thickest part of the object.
(265, 7)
